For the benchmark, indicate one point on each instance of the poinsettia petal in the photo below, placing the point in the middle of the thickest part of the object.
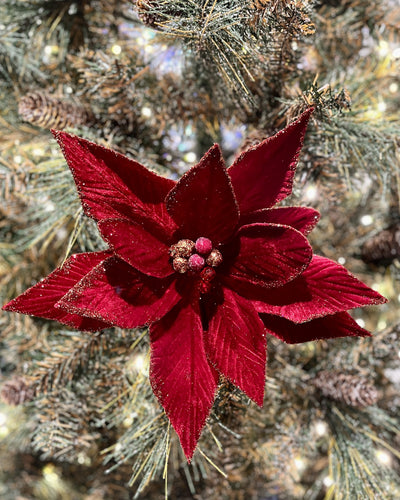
(40, 299)
(202, 203)
(137, 246)
(115, 292)
(303, 219)
(180, 374)
(268, 255)
(111, 185)
(236, 345)
(263, 174)
(325, 287)
(329, 327)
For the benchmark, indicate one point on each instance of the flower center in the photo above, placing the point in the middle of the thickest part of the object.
(196, 257)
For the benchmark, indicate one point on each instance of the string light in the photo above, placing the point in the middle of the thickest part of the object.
(190, 157)
(396, 53)
(38, 152)
(382, 324)
(342, 260)
(383, 457)
(366, 220)
(83, 459)
(393, 88)
(116, 49)
(128, 421)
(383, 48)
(382, 106)
(139, 362)
(300, 464)
(51, 50)
(50, 475)
(360, 322)
(320, 428)
(3, 427)
(146, 112)
(328, 481)
(311, 193)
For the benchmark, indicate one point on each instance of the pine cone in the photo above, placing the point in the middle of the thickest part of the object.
(16, 391)
(46, 111)
(383, 248)
(350, 389)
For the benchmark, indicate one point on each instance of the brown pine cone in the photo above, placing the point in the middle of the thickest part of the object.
(383, 248)
(46, 111)
(16, 391)
(350, 389)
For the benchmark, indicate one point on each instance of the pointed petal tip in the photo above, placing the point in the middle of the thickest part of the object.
(7, 307)
(259, 399)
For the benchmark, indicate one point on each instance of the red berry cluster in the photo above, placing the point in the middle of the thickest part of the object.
(197, 256)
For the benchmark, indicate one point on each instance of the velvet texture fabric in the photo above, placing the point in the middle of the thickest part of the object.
(209, 312)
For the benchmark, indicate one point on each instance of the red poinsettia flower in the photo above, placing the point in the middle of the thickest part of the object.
(206, 262)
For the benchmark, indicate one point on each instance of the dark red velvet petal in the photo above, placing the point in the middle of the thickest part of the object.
(303, 219)
(236, 345)
(115, 292)
(202, 203)
(41, 298)
(111, 185)
(263, 174)
(329, 327)
(137, 246)
(269, 255)
(180, 374)
(323, 288)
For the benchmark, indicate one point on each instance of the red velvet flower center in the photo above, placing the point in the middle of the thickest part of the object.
(197, 257)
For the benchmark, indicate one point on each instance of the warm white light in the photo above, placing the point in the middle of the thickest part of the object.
(50, 475)
(396, 53)
(393, 88)
(328, 481)
(49, 206)
(311, 193)
(18, 159)
(321, 428)
(3, 419)
(51, 50)
(128, 421)
(342, 261)
(360, 322)
(146, 112)
(366, 220)
(116, 50)
(383, 48)
(381, 324)
(190, 157)
(83, 459)
(38, 152)
(300, 464)
(382, 106)
(383, 457)
(139, 363)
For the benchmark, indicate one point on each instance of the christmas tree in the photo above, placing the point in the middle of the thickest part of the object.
(112, 398)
